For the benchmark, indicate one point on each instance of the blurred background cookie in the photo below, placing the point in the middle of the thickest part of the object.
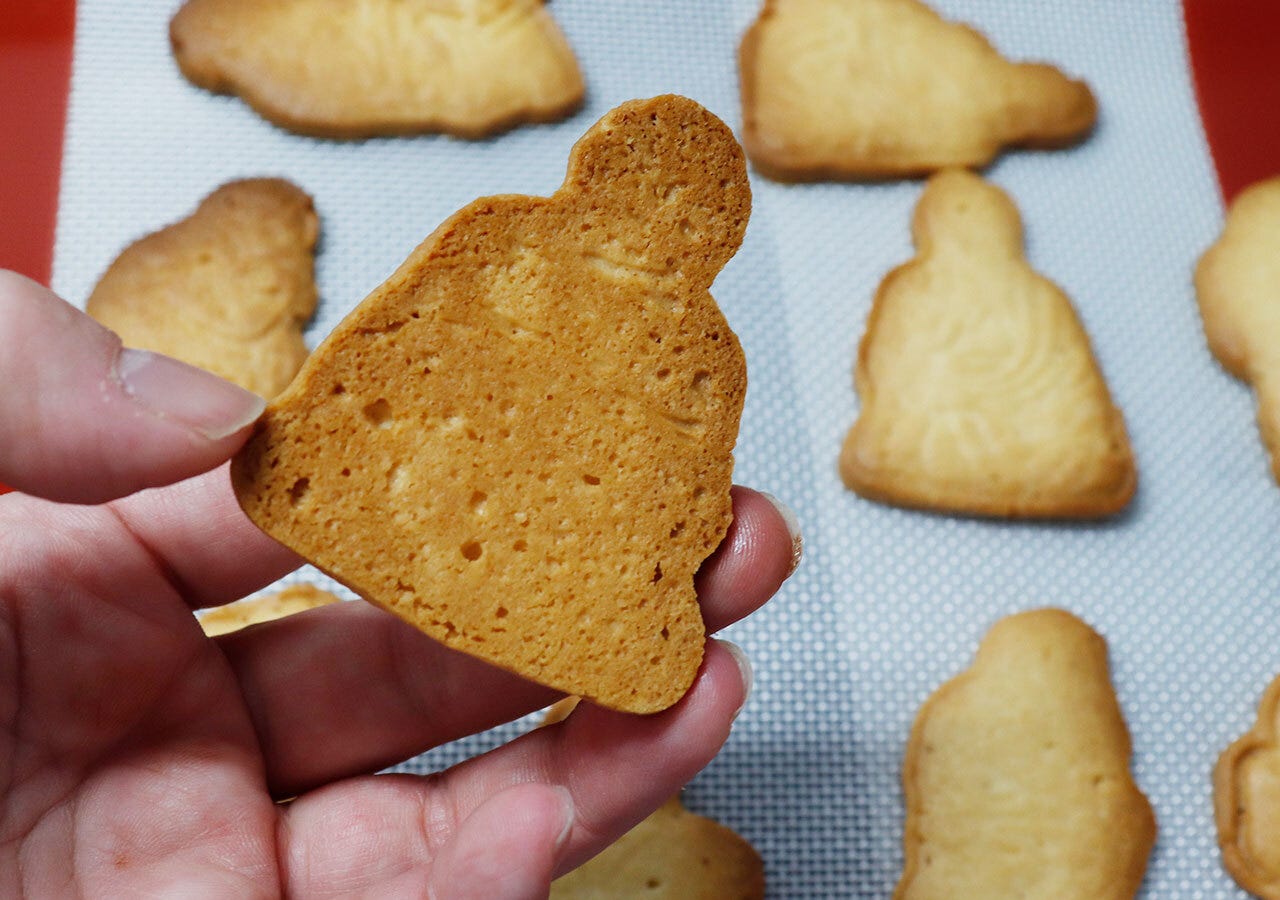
(293, 598)
(1016, 776)
(227, 289)
(1238, 288)
(888, 88)
(359, 68)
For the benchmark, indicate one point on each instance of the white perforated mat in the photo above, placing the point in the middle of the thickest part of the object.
(888, 603)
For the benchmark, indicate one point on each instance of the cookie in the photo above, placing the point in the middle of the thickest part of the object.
(834, 89)
(227, 289)
(521, 443)
(979, 391)
(1016, 775)
(1238, 287)
(360, 68)
(292, 599)
(672, 854)
(1246, 803)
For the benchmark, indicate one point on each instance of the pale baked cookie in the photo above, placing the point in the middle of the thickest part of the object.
(291, 599)
(359, 68)
(1246, 802)
(522, 442)
(672, 855)
(227, 289)
(852, 89)
(979, 391)
(1016, 775)
(1238, 286)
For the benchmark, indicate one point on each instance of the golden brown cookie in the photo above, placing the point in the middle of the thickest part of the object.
(359, 68)
(292, 599)
(1246, 802)
(227, 289)
(522, 442)
(1238, 286)
(672, 855)
(1016, 775)
(855, 89)
(980, 393)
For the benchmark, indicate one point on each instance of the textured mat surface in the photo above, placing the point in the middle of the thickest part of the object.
(888, 603)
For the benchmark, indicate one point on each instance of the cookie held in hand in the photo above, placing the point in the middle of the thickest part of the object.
(360, 68)
(1246, 802)
(980, 393)
(1238, 287)
(1016, 774)
(887, 88)
(227, 289)
(521, 443)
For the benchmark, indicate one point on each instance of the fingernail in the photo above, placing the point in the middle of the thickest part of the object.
(744, 667)
(177, 392)
(570, 813)
(793, 528)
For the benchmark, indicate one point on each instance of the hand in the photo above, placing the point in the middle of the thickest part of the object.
(137, 755)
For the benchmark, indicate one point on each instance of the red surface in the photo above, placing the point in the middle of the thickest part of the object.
(35, 76)
(1235, 61)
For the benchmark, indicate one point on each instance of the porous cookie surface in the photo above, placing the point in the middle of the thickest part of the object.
(1238, 287)
(227, 289)
(1016, 774)
(293, 599)
(885, 88)
(1246, 799)
(357, 68)
(672, 855)
(521, 443)
(980, 393)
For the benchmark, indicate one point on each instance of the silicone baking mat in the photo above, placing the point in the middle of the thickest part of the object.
(888, 603)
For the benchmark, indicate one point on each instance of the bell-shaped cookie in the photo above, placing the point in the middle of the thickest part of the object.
(1016, 776)
(521, 443)
(980, 393)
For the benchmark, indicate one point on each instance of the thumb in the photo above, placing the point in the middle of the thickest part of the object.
(506, 848)
(84, 420)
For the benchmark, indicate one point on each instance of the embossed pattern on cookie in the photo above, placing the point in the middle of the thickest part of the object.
(227, 289)
(1246, 802)
(1238, 288)
(1016, 776)
(359, 68)
(980, 393)
(887, 88)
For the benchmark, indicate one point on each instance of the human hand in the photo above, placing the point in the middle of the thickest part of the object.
(137, 755)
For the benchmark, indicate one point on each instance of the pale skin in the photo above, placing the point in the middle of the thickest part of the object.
(139, 757)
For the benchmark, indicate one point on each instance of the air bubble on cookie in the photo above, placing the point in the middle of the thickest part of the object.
(472, 550)
(299, 491)
(477, 501)
(379, 413)
(591, 479)
(701, 382)
(657, 573)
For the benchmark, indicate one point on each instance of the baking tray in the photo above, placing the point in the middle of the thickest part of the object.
(888, 603)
